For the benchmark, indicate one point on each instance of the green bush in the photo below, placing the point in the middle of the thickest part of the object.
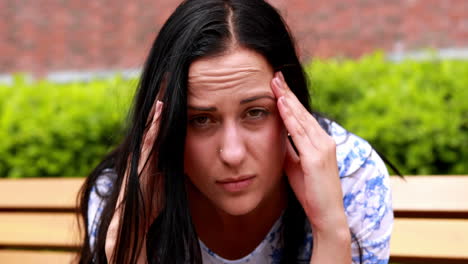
(414, 112)
(50, 129)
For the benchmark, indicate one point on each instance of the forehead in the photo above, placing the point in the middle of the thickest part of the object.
(237, 70)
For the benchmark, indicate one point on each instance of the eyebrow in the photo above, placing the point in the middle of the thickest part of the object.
(202, 109)
(243, 101)
(257, 97)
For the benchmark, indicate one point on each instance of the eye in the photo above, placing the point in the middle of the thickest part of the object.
(256, 113)
(200, 121)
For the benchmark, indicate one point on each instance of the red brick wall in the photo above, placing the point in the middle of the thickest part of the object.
(41, 36)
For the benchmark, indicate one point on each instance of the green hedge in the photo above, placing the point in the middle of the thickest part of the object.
(49, 129)
(416, 113)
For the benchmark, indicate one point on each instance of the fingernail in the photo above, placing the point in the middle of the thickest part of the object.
(158, 106)
(278, 83)
(281, 76)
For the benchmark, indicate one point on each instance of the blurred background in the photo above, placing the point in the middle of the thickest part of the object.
(393, 72)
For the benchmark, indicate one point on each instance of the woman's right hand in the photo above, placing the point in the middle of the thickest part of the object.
(144, 172)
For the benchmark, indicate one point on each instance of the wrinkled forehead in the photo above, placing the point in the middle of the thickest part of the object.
(237, 69)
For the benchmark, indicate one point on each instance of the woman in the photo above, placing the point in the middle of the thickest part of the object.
(223, 162)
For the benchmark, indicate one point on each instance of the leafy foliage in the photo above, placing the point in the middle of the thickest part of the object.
(415, 113)
(50, 129)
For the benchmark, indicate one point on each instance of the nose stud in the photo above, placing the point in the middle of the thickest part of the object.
(220, 150)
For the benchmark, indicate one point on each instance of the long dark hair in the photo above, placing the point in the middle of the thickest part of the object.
(196, 29)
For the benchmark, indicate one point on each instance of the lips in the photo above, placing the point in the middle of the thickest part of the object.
(237, 179)
(236, 184)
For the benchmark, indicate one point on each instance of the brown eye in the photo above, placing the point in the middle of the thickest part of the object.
(256, 113)
(200, 121)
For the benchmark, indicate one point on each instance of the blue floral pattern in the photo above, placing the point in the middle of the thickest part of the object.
(366, 197)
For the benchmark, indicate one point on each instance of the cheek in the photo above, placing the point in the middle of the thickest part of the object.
(201, 161)
(196, 154)
(270, 144)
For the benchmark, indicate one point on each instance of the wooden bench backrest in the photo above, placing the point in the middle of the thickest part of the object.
(38, 223)
(430, 196)
(431, 219)
(39, 193)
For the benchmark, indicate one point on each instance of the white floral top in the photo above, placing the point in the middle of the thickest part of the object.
(366, 197)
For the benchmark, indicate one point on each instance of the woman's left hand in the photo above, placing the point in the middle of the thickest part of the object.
(313, 171)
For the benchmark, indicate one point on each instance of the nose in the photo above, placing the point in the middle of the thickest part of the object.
(232, 148)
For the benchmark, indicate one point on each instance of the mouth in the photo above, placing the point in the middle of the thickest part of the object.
(236, 184)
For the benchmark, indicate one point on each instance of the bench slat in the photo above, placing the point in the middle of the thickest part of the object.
(439, 194)
(412, 237)
(446, 193)
(435, 238)
(39, 192)
(39, 230)
(55, 230)
(36, 257)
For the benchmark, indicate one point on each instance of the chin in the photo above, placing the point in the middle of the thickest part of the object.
(239, 206)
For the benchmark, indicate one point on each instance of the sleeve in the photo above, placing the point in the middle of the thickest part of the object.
(97, 202)
(368, 206)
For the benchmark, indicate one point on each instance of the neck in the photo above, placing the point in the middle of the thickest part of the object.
(234, 236)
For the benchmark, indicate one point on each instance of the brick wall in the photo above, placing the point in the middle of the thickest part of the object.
(42, 36)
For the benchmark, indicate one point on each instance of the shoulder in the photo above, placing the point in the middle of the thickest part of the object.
(366, 194)
(352, 152)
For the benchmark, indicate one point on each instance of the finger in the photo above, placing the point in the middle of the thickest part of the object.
(291, 154)
(297, 105)
(298, 133)
(159, 105)
(153, 130)
(276, 86)
(151, 115)
(156, 113)
(281, 88)
(293, 169)
(149, 137)
(305, 118)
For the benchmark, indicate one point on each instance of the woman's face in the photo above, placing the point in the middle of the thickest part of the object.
(235, 143)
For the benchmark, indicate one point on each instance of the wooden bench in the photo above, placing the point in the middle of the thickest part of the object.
(38, 220)
(38, 225)
(431, 219)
